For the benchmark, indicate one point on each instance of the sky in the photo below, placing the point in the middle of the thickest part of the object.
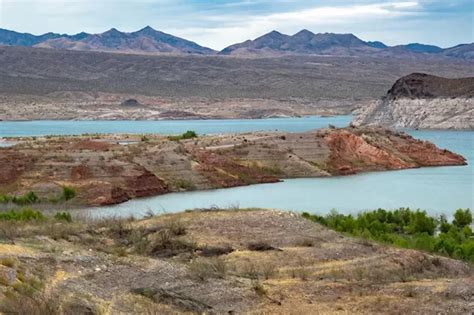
(218, 24)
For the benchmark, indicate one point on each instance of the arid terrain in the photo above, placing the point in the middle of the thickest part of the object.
(258, 157)
(112, 169)
(216, 262)
(55, 84)
(423, 101)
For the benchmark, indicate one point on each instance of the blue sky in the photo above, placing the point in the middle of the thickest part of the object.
(217, 24)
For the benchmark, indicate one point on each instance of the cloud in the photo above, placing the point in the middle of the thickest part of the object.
(238, 28)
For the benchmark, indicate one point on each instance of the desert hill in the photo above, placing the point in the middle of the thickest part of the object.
(423, 101)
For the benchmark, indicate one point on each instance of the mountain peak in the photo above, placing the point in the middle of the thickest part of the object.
(273, 34)
(112, 31)
(304, 32)
(146, 30)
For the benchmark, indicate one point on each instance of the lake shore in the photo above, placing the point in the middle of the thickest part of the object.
(129, 107)
(110, 169)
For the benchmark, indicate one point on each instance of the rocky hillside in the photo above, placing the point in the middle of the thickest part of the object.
(423, 101)
(146, 40)
(219, 262)
(303, 42)
(113, 169)
(463, 51)
(331, 44)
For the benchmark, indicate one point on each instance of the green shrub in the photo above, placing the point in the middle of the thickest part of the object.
(68, 193)
(63, 216)
(190, 134)
(444, 225)
(408, 229)
(420, 222)
(22, 200)
(25, 214)
(462, 218)
(5, 199)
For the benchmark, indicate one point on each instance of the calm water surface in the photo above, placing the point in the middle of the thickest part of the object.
(436, 189)
(62, 127)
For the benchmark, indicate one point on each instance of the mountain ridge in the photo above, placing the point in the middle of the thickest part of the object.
(145, 40)
(307, 42)
(274, 43)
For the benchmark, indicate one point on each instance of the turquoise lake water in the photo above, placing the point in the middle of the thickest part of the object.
(168, 127)
(436, 189)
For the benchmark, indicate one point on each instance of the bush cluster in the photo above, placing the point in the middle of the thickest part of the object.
(190, 134)
(30, 198)
(27, 199)
(26, 214)
(408, 229)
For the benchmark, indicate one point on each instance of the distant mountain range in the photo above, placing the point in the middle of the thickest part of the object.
(306, 42)
(148, 40)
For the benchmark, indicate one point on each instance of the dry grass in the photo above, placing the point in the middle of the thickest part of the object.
(39, 303)
(206, 268)
(300, 272)
(260, 246)
(305, 242)
(159, 254)
(8, 262)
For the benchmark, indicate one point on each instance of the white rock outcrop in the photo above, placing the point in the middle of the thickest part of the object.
(429, 113)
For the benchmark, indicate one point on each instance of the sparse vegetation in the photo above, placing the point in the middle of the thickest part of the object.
(31, 198)
(306, 242)
(300, 272)
(25, 214)
(185, 184)
(205, 268)
(177, 275)
(63, 216)
(21, 200)
(35, 302)
(190, 134)
(8, 262)
(408, 229)
(68, 193)
(259, 288)
(260, 246)
(216, 251)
